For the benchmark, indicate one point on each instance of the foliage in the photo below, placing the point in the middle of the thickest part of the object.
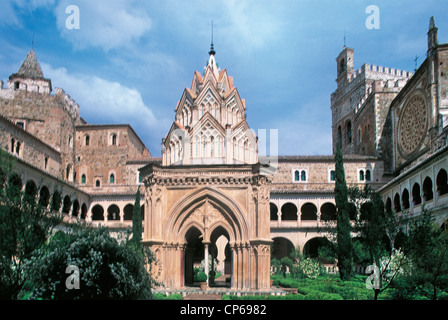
(344, 247)
(108, 268)
(306, 268)
(428, 251)
(397, 264)
(172, 296)
(137, 227)
(25, 226)
(374, 226)
(326, 288)
(275, 266)
(285, 265)
(202, 277)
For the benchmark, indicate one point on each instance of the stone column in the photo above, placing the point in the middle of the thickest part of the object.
(240, 265)
(206, 260)
(234, 272)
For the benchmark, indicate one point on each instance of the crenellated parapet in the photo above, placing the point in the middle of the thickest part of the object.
(69, 105)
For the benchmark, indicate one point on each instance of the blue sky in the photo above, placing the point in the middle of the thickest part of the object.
(130, 60)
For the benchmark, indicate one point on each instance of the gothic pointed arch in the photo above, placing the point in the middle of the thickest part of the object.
(206, 209)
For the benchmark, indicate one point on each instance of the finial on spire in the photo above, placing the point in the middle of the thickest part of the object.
(212, 50)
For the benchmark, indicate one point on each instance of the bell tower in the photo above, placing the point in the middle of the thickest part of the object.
(344, 66)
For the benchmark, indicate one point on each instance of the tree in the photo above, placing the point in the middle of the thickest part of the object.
(108, 268)
(374, 225)
(25, 225)
(344, 246)
(137, 227)
(428, 251)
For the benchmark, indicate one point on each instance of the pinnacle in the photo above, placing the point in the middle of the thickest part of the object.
(432, 24)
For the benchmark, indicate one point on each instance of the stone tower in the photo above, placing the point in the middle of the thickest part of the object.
(27, 101)
(360, 104)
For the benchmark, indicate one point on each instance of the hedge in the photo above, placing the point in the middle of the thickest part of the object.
(172, 296)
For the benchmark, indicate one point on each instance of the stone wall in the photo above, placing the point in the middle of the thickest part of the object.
(103, 155)
(47, 118)
(30, 149)
(318, 173)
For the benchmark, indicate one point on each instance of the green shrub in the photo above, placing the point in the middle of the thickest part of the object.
(287, 297)
(247, 297)
(442, 296)
(172, 296)
(319, 295)
(202, 277)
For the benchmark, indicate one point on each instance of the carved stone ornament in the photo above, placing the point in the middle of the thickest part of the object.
(412, 126)
(205, 215)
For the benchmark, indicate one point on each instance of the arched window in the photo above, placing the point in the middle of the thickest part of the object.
(361, 175)
(112, 178)
(97, 183)
(349, 132)
(332, 175)
(87, 140)
(18, 148)
(68, 172)
(289, 212)
(303, 175)
(388, 205)
(339, 138)
(405, 199)
(341, 65)
(397, 205)
(297, 175)
(309, 212)
(83, 179)
(368, 177)
(442, 183)
(114, 139)
(427, 189)
(416, 197)
(274, 212)
(212, 143)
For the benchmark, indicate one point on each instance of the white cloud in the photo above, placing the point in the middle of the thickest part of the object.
(104, 24)
(107, 101)
(9, 13)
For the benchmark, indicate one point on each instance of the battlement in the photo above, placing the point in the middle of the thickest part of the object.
(380, 86)
(389, 77)
(371, 69)
(70, 105)
(42, 86)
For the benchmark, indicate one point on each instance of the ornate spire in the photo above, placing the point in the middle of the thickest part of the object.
(212, 50)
